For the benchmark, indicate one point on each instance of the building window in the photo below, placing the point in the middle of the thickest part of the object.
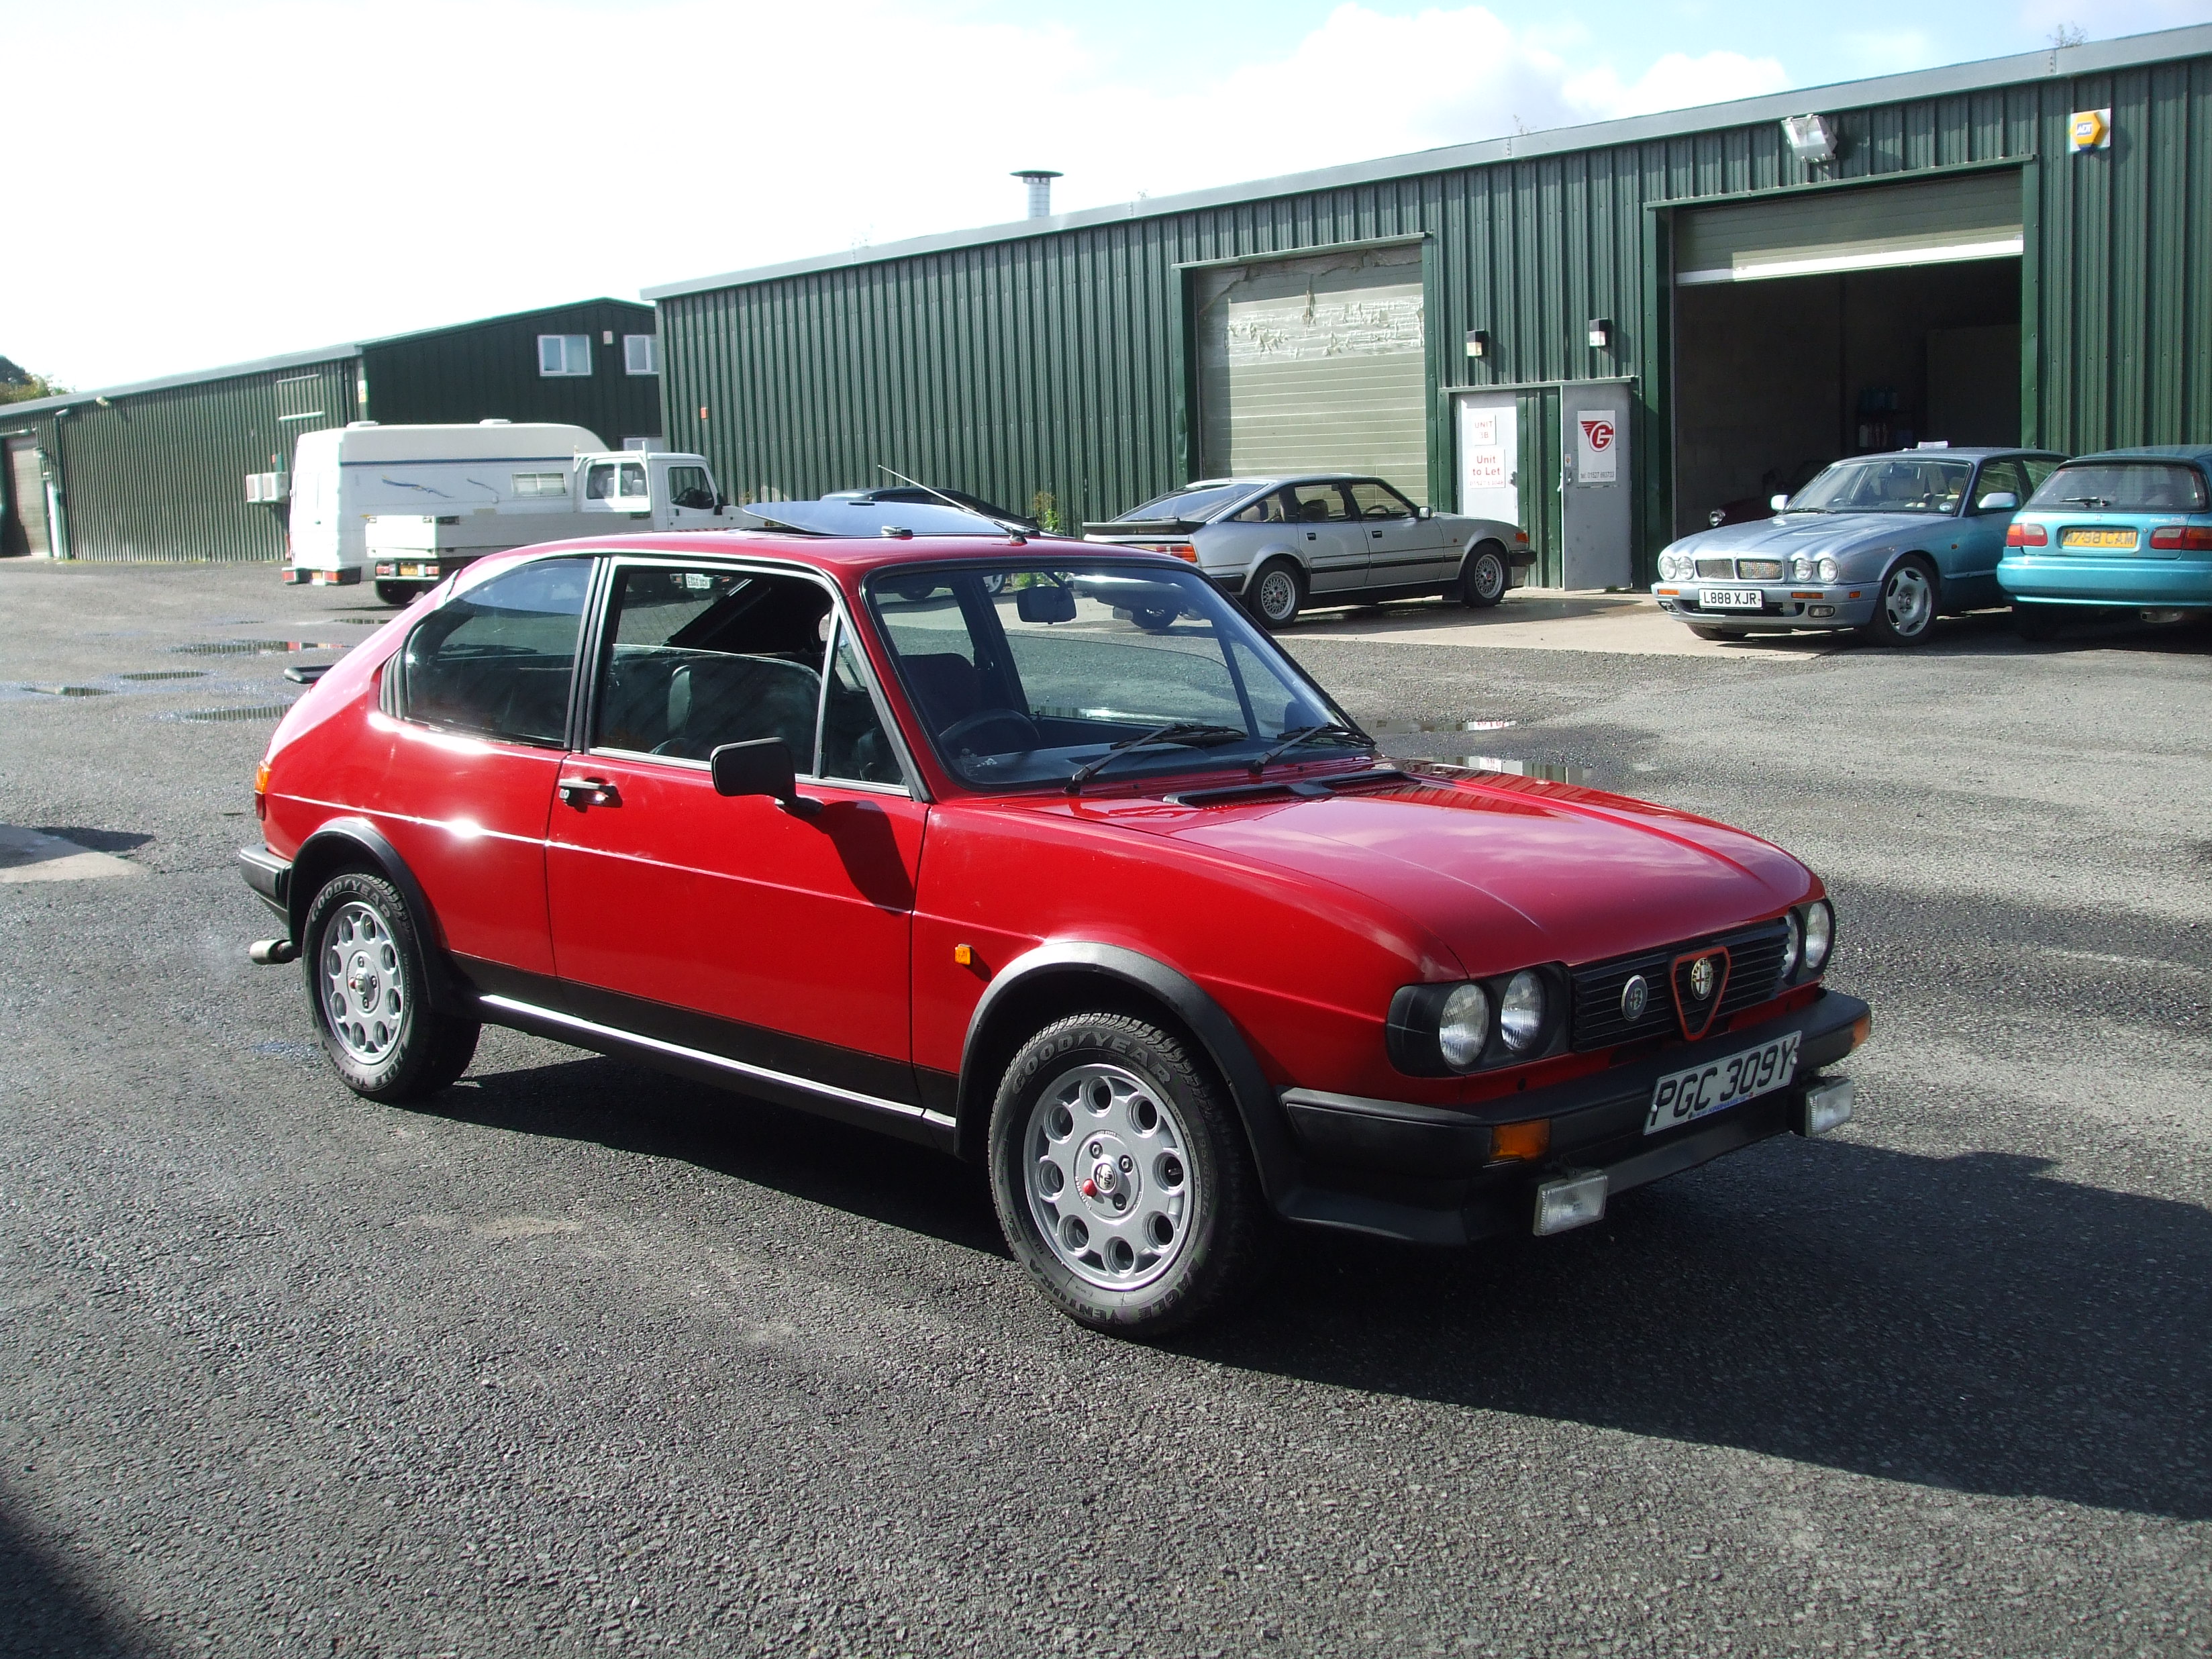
(641, 354)
(531, 485)
(564, 353)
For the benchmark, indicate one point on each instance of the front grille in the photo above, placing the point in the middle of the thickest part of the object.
(1754, 977)
(1760, 570)
(1724, 568)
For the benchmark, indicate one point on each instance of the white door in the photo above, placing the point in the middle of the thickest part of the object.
(1490, 456)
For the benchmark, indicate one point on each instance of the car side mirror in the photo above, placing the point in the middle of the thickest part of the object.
(1424, 513)
(1780, 503)
(1052, 604)
(1998, 501)
(762, 767)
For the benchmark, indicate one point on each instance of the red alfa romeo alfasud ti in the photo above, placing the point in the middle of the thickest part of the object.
(1039, 853)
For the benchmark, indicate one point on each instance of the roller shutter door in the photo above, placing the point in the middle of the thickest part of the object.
(1975, 217)
(1315, 365)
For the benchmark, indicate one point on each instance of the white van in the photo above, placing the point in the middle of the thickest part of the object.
(343, 477)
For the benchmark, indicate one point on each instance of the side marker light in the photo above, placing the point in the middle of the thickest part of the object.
(1861, 1029)
(964, 955)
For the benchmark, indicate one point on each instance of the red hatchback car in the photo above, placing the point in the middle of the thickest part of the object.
(1039, 853)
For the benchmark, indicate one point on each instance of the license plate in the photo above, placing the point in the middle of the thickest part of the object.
(411, 569)
(1718, 1083)
(2097, 538)
(1731, 599)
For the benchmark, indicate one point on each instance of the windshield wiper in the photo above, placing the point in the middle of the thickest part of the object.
(1292, 738)
(1193, 733)
(2084, 500)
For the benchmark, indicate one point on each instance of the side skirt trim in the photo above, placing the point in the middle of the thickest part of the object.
(539, 1014)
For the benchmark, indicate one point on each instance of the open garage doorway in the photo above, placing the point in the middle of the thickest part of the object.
(1843, 324)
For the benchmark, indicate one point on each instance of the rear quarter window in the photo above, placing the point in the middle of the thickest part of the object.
(499, 658)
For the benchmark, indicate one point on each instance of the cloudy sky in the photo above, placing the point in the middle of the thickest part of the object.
(201, 184)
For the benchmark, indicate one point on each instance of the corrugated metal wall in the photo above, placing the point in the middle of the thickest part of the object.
(162, 475)
(488, 371)
(1057, 362)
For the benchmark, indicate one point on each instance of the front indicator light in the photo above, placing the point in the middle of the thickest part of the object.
(1828, 1106)
(1572, 1201)
(1819, 934)
(1526, 1141)
(1521, 1011)
(261, 792)
(1463, 1026)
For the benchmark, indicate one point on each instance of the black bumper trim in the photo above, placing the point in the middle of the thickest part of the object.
(270, 876)
(1419, 1173)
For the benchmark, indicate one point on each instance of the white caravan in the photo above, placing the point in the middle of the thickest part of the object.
(417, 502)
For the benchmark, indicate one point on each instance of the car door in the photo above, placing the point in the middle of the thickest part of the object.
(737, 926)
(481, 699)
(683, 494)
(617, 489)
(1970, 575)
(1327, 537)
(1402, 547)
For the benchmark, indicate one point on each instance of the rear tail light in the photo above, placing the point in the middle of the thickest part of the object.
(1183, 551)
(261, 791)
(2196, 538)
(2026, 535)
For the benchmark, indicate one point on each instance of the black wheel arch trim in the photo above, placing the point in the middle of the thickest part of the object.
(1265, 1126)
(350, 841)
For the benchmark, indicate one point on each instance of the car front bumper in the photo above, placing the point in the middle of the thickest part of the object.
(1424, 1174)
(2137, 581)
(1782, 606)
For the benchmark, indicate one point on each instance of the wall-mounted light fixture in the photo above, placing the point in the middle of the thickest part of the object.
(1600, 333)
(1478, 343)
(1812, 140)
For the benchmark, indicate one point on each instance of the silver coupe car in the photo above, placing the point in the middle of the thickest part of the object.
(1881, 544)
(1285, 544)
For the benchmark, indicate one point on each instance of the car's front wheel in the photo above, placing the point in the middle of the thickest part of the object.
(1278, 592)
(1122, 1178)
(366, 976)
(1484, 577)
(1905, 609)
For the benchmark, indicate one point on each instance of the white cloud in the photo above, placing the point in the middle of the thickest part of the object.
(255, 178)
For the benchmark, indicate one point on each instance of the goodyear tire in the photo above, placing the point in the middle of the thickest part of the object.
(366, 979)
(1122, 1178)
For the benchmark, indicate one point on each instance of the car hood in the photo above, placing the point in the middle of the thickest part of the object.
(1812, 534)
(1502, 870)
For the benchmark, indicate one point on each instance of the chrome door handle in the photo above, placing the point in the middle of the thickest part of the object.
(590, 791)
(1376, 534)
(1313, 535)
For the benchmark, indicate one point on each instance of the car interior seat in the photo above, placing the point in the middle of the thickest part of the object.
(714, 699)
(947, 686)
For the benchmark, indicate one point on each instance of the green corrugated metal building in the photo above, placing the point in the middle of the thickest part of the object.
(159, 470)
(1959, 265)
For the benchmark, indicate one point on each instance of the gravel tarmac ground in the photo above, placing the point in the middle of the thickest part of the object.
(576, 1358)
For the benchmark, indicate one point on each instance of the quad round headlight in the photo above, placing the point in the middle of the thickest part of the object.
(1792, 946)
(1670, 567)
(1463, 1026)
(1800, 569)
(1828, 570)
(1819, 934)
(1521, 1011)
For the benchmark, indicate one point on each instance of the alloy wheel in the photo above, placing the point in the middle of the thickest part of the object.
(1908, 601)
(363, 984)
(1111, 1185)
(1278, 596)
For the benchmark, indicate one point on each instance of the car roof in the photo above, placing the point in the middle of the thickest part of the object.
(845, 555)
(1960, 452)
(2201, 454)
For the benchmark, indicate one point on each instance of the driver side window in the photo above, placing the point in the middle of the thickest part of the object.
(696, 659)
(1373, 499)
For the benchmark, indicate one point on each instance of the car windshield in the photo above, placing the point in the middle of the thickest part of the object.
(2124, 487)
(1887, 484)
(1028, 673)
(1194, 501)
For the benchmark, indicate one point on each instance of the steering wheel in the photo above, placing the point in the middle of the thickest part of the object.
(1030, 737)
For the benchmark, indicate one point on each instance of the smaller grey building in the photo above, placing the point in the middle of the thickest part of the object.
(160, 469)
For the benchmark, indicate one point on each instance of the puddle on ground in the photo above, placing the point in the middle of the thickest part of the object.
(69, 691)
(168, 674)
(362, 622)
(254, 647)
(1549, 771)
(1410, 728)
(259, 711)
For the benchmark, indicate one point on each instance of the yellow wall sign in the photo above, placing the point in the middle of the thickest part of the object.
(2090, 129)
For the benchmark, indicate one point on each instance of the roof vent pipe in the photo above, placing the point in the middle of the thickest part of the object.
(1039, 179)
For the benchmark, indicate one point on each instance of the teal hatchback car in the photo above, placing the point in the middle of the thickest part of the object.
(2124, 530)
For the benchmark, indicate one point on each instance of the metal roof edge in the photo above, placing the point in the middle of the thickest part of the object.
(167, 382)
(2092, 57)
(503, 316)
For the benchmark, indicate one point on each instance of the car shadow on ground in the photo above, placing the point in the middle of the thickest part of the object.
(1995, 633)
(1969, 1322)
(42, 1610)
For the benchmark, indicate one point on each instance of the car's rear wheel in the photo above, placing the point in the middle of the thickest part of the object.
(1905, 609)
(1706, 632)
(1484, 577)
(366, 977)
(1122, 1178)
(1154, 618)
(397, 592)
(1278, 591)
